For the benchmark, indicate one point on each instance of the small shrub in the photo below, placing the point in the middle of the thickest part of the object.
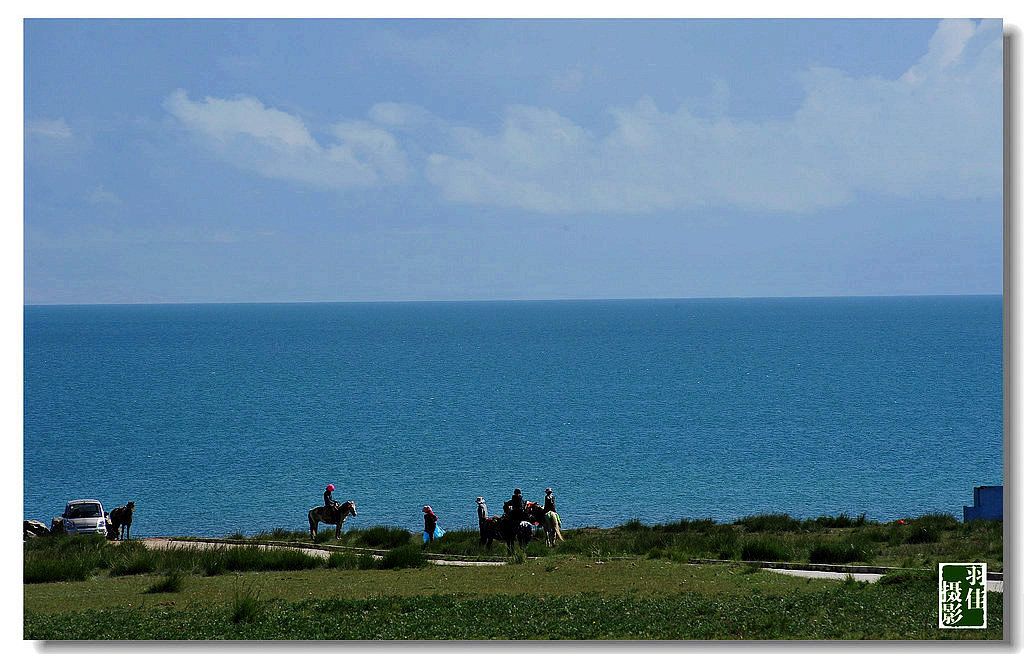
(171, 583)
(770, 522)
(841, 521)
(923, 534)
(384, 537)
(251, 558)
(237, 536)
(367, 562)
(343, 561)
(705, 526)
(407, 556)
(213, 562)
(764, 550)
(245, 605)
(38, 570)
(830, 552)
(936, 522)
(634, 524)
(133, 561)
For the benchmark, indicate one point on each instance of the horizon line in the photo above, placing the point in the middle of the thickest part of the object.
(496, 300)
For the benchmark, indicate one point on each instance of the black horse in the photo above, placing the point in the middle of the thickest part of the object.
(508, 529)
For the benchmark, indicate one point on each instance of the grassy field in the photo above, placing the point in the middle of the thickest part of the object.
(581, 590)
(913, 543)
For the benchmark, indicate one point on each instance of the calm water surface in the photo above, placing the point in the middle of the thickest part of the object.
(223, 418)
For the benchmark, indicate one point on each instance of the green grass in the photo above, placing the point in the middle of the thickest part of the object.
(173, 582)
(573, 600)
(245, 605)
(623, 575)
(840, 552)
(406, 556)
(765, 549)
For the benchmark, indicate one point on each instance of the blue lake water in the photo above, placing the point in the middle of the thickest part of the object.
(222, 418)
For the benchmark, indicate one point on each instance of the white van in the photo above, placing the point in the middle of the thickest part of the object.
(81, 517)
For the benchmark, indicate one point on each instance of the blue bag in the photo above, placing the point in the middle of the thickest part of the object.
(438, 532)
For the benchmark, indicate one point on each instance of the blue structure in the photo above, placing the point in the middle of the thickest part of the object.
(988, 504)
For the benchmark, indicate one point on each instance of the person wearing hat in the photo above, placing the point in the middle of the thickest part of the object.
(429, 523)
(549, 500)
(516, 507)
(481, 517)
(330, 503)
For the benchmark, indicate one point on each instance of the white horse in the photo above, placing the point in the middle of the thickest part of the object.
(549, 520)
(552, 528)
(320, 514)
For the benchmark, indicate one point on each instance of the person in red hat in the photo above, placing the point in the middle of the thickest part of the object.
(330, 503)
(429, 523)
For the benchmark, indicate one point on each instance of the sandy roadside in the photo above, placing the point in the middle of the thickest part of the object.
(165, 543)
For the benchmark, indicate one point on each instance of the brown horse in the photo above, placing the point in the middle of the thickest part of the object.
(320, 514)
(548, 520)
(121, 520)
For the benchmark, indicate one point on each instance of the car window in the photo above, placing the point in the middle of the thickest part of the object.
(85, 511)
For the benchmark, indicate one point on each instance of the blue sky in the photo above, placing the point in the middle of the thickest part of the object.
(335, 160)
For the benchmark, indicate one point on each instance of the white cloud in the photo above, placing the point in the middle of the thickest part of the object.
(99, 195)
(278, 145)
(936, 132)
(54, 129)
(396, 114)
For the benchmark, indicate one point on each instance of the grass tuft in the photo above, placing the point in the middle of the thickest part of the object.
(832, 552)
(764, 549)
(407, 556)
(170, 583)
(245, 604)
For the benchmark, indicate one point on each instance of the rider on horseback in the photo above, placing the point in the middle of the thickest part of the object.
(516, 507)
(549, 500)
(330, 503)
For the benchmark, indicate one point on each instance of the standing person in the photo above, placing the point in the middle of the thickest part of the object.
(429, 523)
(549, 500)
(481, 517)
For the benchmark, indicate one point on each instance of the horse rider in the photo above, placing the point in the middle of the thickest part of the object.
(330, 503)
(516, 507)
(549, 500)
(481, 517)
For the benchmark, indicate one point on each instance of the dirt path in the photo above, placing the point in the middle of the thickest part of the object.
(991, 585)
(165, 543)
